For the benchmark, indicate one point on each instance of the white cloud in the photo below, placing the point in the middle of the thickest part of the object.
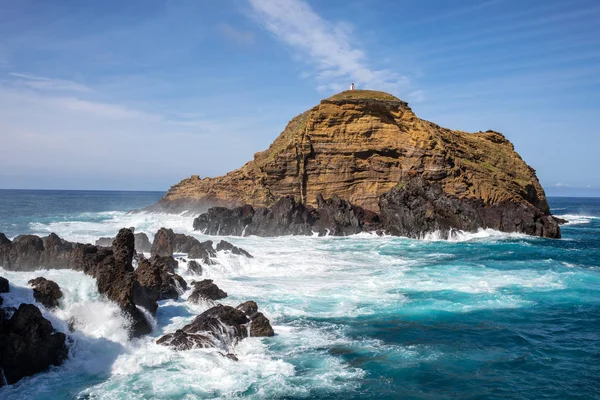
(327, 45)
(43, 83)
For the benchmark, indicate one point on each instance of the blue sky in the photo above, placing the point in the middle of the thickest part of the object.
(140, 94)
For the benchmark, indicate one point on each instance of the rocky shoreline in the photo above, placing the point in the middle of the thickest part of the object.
(412, 210)
(29, 344)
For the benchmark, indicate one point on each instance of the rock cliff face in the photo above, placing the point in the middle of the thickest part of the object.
(359, 145)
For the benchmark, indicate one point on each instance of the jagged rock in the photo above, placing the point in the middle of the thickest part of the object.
(259, 324)
(142, 242)
(226, 246)
(206, 290)
(220, 326)
(158, 276)
(166, 242)
(420, 207)
(4, 286)
(194, 267)
(46, 292)
(29, 344)
(289, 217)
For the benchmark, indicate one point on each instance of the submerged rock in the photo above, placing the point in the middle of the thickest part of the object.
(206, 290)
(221, 327)
(29, 344)
(46, 292)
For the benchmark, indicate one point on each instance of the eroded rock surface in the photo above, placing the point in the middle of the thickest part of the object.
(46, 292)
(166, 243)
(359, 145)
(289, 217)
(220, 326)
(206, 290)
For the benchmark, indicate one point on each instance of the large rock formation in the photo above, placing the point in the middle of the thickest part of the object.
(28, 344)
(359, 145)
(46, 292)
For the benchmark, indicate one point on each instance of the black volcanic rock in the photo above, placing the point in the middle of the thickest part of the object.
(4, 286)
(166, 242)
(46, 292)
(206, 290)
(289, 217)
(226, 246)
(142, 242)
(157, 275)
(29, 344)
(194, 267)
(112, 268)
(420, 207)
(220, 326)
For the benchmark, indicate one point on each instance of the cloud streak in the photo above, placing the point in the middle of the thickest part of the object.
(43, 83)
(328, 46)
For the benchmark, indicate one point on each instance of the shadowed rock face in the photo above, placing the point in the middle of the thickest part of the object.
(289, 217)
(226, 246)
(29, 344)
(419, 208)
(142, 243)
(46, 292)
(359, 145)
(157, 275)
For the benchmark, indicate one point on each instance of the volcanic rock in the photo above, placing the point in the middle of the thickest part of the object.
(142, 242)
(166, 242)
(359, 145)
(29, 344)
(259, 324)
(194, 267)
(4, 286)
(289, 217)
(206, 290)
(226, 246)
(158, 276)
(46, 292)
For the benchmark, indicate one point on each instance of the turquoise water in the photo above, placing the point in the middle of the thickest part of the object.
(489, 315)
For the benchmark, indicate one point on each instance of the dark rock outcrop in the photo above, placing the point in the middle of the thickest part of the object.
(29, 344)
(142, 243)
(4, 286)
(157, 276)
(166, 242)
(194, 267)
(420, 207)
(206, 290)
(288, 217)
(226, 246)
(259, 324)
(46, 292)
(112, 268)
(221, 327)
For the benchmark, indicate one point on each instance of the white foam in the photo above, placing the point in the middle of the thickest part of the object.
(577, 219)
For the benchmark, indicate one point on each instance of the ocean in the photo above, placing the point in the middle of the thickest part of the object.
(487, 315)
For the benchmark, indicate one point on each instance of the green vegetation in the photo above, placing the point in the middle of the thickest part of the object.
(363, 94)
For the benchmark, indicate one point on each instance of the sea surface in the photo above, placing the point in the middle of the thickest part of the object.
(487, 315)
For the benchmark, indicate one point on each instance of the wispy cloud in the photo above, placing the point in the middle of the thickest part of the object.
(44, 83)
(238, 36)
(328, 46)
